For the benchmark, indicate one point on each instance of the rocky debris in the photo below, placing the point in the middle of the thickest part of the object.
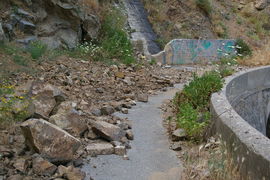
(176, 147)
(107, 110)
(21, 164)
(70, 173)
(100, 148)
(50, 141)
(89, 134)
(130, 135)
(179, 134)
(6, 152)
(261, 4)
(69, 119)
(43, 167)
(46, 97)
(107, 131)
(142, 98)
(85, 100)
(15, 177)
(120, 150)
(124, 110)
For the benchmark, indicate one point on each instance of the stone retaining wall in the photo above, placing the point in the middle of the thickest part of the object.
(240, 113)
(188, 51)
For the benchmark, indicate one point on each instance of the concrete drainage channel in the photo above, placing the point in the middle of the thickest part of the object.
(149, 157)
(241, 114)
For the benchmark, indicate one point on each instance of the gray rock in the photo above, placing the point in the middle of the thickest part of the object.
(43, 167)
(100, 148)
(24, 14)
(107, 110)
(179, 134)
(129, 134)
(27, 40)
(96, 112)
(27, 27)
(50, 141)
(176, 147)
(142, 98)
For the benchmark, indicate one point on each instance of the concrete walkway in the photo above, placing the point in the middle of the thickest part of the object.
(150, 156)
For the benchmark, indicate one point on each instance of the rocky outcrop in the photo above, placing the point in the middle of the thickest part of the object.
(59, 24)
(50, 141)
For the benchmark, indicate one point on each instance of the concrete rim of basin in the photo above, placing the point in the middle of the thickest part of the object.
(250, 149)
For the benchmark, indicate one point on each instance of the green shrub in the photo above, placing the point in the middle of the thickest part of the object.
(115, 43)
(188, 120)
(199, 90)
(12, 108)
(243, 48)
(36, 49)
(193, 102)
(20, 60)
(204, 5)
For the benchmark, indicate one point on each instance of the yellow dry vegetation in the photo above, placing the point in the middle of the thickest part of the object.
(260, 57)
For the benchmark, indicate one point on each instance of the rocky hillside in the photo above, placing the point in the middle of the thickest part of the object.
(246, 19)
(54, 22)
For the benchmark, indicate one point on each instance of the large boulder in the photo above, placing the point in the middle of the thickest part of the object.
(107, 131)
(50, 141)
(69, 119)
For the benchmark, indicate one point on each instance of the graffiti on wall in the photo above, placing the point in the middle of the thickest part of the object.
(187, 51)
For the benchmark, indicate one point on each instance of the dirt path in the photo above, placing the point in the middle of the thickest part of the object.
(150, 156)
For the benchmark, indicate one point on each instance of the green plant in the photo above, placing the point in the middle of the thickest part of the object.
(152, 62)
(193, 102)
(115, 43)
(188, 120)
(199, 90)
(243, 48)
(204, 5)
(12, 108)
(36, 49)
(20, 60)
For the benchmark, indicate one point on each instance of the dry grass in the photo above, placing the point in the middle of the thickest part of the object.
(259, 58)
(209, 161)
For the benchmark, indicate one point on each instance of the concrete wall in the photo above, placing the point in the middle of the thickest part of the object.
(240, 112)
(188, 51)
